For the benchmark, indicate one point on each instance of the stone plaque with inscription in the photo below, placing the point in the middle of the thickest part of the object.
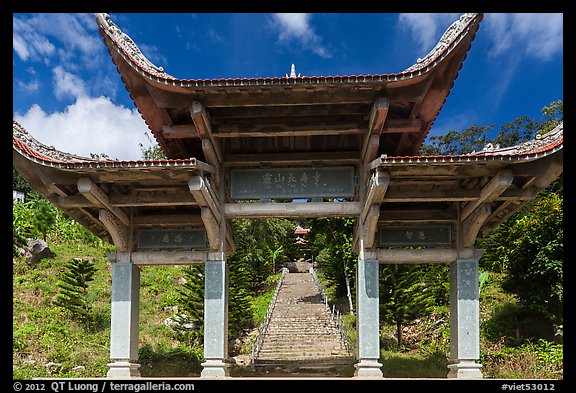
(415, 235)
(262, 183)
(172, 239)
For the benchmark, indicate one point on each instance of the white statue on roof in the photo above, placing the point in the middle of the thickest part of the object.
(293, 72)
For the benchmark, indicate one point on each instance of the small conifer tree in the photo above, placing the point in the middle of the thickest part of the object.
(73, 293)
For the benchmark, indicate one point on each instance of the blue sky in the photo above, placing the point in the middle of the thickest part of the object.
(67, 92)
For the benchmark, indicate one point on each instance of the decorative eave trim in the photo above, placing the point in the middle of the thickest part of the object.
(44, 155)
(539, 147)
(129, 51)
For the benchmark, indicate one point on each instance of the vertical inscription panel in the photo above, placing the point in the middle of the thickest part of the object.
(324, 182)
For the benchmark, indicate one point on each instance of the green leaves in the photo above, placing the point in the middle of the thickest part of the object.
(73, 289)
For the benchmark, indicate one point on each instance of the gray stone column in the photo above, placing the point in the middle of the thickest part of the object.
(215, 316)
(124, 318)
(464, 318)
(367, 318)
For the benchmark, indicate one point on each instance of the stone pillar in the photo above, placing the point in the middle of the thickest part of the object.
(367, 318)
(215, 316)
(124, 318)
(464, 319)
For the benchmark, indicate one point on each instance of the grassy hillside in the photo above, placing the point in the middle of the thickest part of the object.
(49, 342)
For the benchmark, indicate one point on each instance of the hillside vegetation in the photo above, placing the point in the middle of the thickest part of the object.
(61, 304)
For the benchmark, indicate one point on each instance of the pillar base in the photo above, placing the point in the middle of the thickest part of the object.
(123, 370)
(465, 370)
(215, 368)
(368, 368)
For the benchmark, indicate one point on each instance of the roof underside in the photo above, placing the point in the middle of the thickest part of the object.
(255, 120)
(157, 193)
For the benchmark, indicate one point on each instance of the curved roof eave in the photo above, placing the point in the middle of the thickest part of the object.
(41, 154)
(540, 146)
(121, 43)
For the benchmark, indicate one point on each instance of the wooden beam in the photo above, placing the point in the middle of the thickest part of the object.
(210, 153)
(378, 114)
(377, 188)
(430, 195)
(291, 210)
(308, 158)
(100, 199)
(143, 258)
(180, 132)
(212, 228)
(201, 193)
(117, 230)
(371, 226)
(286, 129)
(402, 125)
(204, 128)
(471, 225)
(151, 199)
(431, 255)
(490, 191)
(163, 220)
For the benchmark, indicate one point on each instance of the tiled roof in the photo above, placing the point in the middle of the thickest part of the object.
(540, 146)
(466, 24)
(23, 142)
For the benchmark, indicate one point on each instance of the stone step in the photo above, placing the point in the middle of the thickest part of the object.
(301, 329)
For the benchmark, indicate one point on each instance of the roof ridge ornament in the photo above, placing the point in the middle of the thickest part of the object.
(447, 39)
(293, 72)
(124, 41)
(540, 141)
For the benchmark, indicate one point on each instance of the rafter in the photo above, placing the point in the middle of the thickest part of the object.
(99, 198)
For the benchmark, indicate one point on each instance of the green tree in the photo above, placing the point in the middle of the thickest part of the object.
(331, 240)
(73, 289)
(529, 248)
(404, 296)
(44, 217)
(191, 301)
(153, 152)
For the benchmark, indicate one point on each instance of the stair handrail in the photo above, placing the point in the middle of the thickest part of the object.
(334, 313)
(259, 339)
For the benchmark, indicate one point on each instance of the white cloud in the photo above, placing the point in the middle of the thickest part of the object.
(67, 84)
(538, 36)
(296, 27)
(426, 29)
(29, 43)
(90, 125)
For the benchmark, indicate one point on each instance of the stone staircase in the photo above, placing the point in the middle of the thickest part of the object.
(301, 335)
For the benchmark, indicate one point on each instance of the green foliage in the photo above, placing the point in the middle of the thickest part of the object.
(32, 219)
(191, 300)
(153, 152)
(473, 138)
(73, 294)
(262, 247)
(331, 241)
(530, 250)
(404, 296)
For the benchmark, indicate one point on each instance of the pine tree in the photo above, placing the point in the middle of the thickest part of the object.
(404, 297)
(73, 294)
(191, 300)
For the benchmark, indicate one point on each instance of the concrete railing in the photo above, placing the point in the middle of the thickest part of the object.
(335, 314)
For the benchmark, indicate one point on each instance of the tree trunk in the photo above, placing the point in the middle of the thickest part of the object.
(349, 294)
(399, 333)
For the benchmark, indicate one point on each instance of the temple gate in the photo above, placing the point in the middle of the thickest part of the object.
(347, 145)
